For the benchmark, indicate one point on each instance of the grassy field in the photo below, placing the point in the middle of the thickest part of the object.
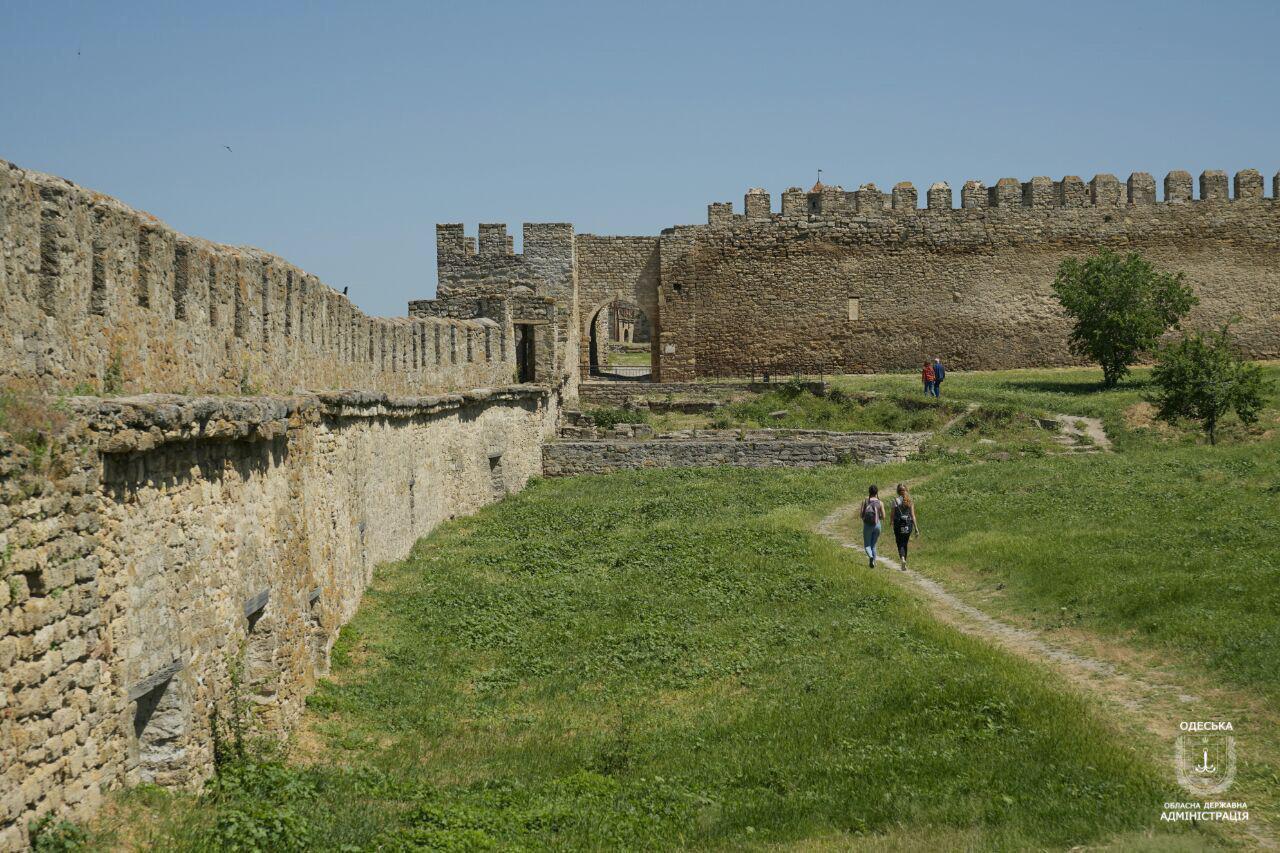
(1169, 543)
(1176, 550)
(793, 408)
(1123, 410)
(671, 659)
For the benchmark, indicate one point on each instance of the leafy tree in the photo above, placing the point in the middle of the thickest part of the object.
(1121, 306)
(1202, 378)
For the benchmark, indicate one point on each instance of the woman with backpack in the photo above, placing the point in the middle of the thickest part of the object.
(929, 378)
(904, 522)
(872, 512)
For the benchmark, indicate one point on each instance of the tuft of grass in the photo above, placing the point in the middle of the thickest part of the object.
(34, 420)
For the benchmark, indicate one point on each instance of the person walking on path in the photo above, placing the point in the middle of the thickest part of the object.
(872, 512)
(904, 522)
(928, 376)
(939, 373)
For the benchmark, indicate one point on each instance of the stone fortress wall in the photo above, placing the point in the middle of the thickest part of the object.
(171, 539)
(91, 287)
(538, 287)
(165, 537)
(864, 281)
(164, 541)
(838, 281)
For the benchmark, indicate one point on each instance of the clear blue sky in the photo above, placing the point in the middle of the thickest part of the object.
(355, 127)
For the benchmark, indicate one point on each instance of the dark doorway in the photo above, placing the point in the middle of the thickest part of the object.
(525, 371)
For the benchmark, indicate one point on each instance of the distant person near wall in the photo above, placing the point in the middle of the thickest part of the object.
(939, 373)
(928, 376)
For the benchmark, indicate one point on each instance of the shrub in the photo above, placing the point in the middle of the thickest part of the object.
(253, 826)
(1202, 378)
(49, 835)
(607, 418)
(1120, 307)
(113, 377)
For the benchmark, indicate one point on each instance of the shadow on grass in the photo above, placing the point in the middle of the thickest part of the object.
(1075, 388)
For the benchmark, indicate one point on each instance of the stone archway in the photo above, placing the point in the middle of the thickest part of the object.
(621, 342)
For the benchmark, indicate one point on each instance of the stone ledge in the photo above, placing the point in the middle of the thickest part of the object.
(761, 449)
(129, 424)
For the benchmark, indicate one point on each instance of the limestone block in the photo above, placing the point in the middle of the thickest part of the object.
(1072, 192)
(939, 196)
(756, 204)
(1213, 185)
(973, 194)
(1142, 188)
(1104, 190)
(1177, 187)
(904, 197)
(1007, 193)
(1248, 185)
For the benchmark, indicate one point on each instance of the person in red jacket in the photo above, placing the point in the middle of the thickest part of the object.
(928, 376)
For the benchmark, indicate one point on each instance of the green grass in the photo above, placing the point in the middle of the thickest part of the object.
(658, 660)
(1074, 391)
(795, 408)
(1175, 550)
(838, 412)
(621, 357)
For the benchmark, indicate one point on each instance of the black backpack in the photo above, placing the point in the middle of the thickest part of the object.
(902, 518)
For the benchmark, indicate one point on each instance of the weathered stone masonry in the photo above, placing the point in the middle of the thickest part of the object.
(170, 536)
(740, 448)
(90, 287)
(867, 287)
(167, 537)
(842, 281)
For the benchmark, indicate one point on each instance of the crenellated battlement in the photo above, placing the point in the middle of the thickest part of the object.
(99, 294)
(545, 265)
(1040, 193)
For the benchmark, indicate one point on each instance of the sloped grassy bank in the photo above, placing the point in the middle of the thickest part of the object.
(670, 659)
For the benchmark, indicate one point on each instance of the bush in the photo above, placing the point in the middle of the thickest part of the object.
(986, 419)
(253, 826)
(49, 835)
(1120, 307)
(608, 418)
(1202, 378)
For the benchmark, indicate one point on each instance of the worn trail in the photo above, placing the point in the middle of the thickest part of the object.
(1152, 698)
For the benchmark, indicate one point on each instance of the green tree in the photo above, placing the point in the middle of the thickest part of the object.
(1202, 378)
(1121, 305)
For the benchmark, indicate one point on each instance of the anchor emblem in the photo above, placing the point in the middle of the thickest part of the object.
(1204, 777)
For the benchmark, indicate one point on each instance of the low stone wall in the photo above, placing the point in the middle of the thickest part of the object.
(166, 539)
(743, 448)
(620, 394)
